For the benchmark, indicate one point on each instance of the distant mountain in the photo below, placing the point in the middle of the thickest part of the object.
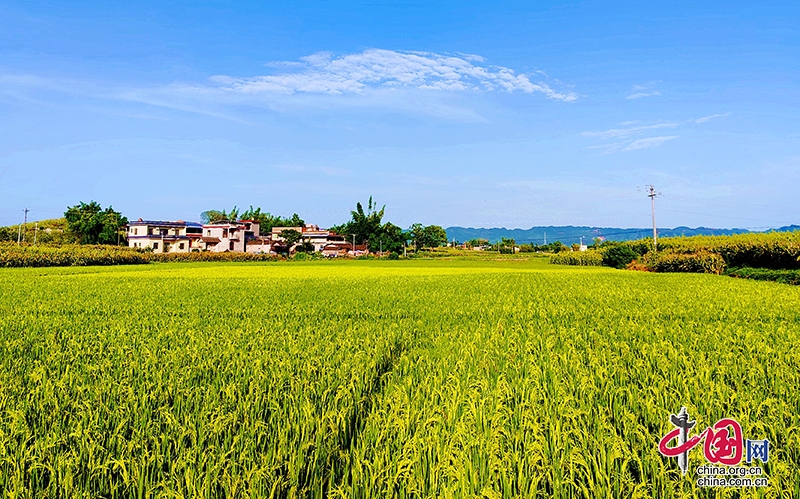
(569, 234)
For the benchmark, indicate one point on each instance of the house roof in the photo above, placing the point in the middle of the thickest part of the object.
(166, 223)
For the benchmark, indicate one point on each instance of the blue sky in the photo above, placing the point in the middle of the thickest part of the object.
(481, 114)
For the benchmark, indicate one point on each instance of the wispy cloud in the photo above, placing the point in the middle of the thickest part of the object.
(640, 91)
(648, 142)
(325, 73)
(711, 117)
(419, 83)
(639, 95)
(628, 131)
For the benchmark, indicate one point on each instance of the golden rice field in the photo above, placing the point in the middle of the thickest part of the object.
(361, 379)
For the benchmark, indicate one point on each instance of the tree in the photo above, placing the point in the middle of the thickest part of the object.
(429, 236)
(91, 224)
(366, 225)
(266, 221)
(507, 246)
(291, 236)
(392, 238)
(618, 256)
(213, 216)
(472, 243)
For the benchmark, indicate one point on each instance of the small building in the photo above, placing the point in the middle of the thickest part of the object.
(165, 236)
(226, 235)
(336, 249)
(318, 238)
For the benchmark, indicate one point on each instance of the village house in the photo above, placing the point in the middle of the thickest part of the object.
(318, 238)
(165, 236)
(225, 235)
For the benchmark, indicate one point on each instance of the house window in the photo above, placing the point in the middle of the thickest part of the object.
(208, 232)
(231, 245)
(155, 245)
(180, 246)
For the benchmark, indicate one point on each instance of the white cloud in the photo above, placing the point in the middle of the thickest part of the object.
(640, 91)
(325, 73)
(639, 95)
(711, 117)
(648, 142)
(631, 130)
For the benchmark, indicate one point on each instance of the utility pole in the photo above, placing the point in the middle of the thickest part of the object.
(652, 195)
(19, 234)
(354, 244)
(35, 233)
(545, 238)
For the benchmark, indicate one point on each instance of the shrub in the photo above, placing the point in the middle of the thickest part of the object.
(701, 261)
(782, 276)
(618, 256)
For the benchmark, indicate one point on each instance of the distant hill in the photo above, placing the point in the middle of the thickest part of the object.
(569, 234)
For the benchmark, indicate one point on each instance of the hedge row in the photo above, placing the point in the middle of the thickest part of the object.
(782, 276)
(70, 255)
(12, 255)
(211, 256)
(584, 258)
(771, 250)
(701, 261)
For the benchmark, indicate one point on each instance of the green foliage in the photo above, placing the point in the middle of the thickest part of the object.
(781, 276)
(583, 258)
(384, 379)
(53, 231)
(618, 256)
(305, 247)
(291, 236)
(770, 250)
(430, 236)
(214, 216)
(701, 261)
(473, 243)
(73, 255)
(267, 221)
(368, 228)
(554, 247)
(507, 246)
(91, 224)
(12, 255)
(212, 256)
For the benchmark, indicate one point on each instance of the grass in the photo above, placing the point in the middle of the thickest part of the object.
(419, 378)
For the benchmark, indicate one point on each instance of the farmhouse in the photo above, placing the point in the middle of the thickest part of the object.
(164, 236)
(318, 238)
(225, 235)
